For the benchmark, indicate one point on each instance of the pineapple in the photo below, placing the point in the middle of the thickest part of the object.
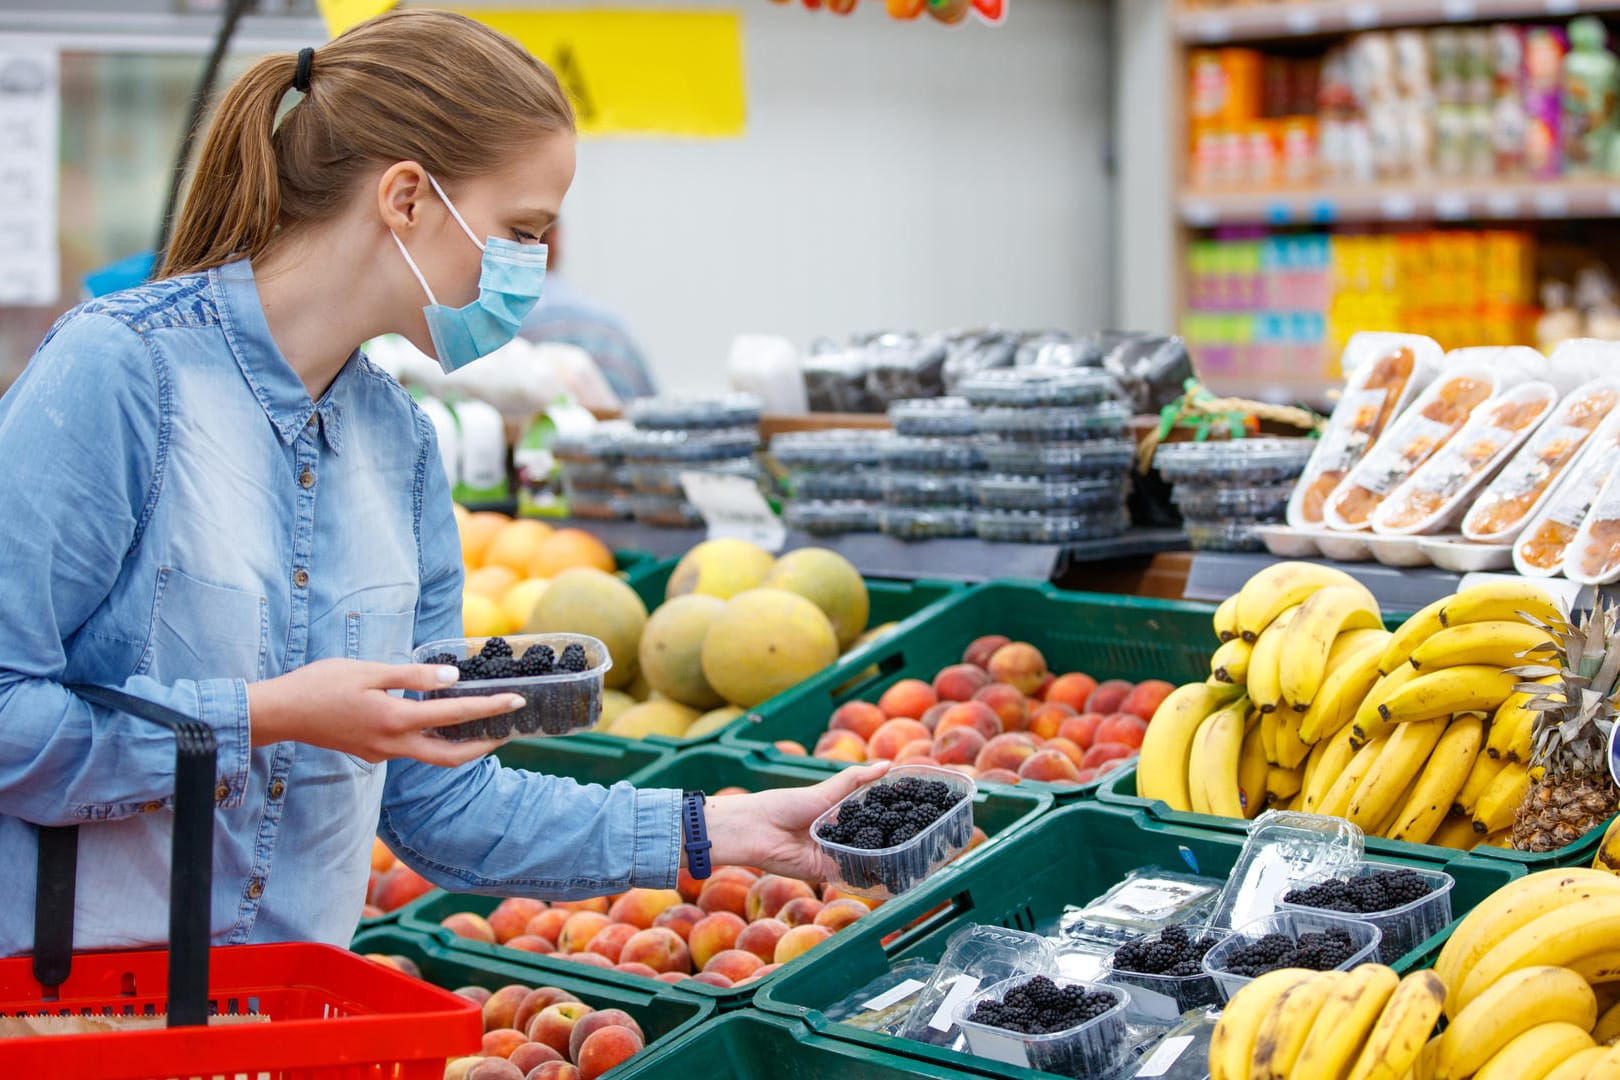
(1574, 792)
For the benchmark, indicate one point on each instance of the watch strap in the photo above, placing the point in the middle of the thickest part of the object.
(695, 834)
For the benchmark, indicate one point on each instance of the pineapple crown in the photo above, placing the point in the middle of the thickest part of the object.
(1574, 706)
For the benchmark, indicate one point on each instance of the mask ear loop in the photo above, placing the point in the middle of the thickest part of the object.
(455, 213)
(410, 262)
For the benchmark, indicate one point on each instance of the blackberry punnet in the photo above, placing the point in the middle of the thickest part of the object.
(1041, 1007)
(1383, 891)
(1316, 950)
(890, 814)
(1174, 952)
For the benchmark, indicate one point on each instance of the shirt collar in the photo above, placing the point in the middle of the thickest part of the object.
(279, 390)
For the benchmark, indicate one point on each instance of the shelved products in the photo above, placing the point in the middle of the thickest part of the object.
(510, 563)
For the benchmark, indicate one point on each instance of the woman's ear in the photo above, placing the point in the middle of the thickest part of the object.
(400, 192)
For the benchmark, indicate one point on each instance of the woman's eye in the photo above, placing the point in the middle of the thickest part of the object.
(525, 237)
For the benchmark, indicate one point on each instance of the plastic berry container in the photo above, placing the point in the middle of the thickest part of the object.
(912, 523)
(1105, 421)
(1404, 928)
(1105, 457)
(664, 479)
(837, 448)
(596, 505)
(945, 417)
(1364, 940)
(824, 518)
(938, 455)
(558, 704)
(1163, 998)
(888, 872)
(1267, 502)
(1224, 535)
(682, 447)
(593, 476)
(665, 511)
(1092, 1048)
(1034, 387)
(1035, 527)
(678, 413)
(1002, 492)
(601, 444)
(1240, 461)
(928, 489)
(865, 485)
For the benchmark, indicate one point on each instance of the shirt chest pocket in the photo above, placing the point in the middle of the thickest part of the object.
(379, 625)
(200, 630)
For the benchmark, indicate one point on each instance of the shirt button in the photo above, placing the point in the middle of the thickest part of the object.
(300, 577)
(222, 792)
(255, 888)
(277, 788)
(307, 478)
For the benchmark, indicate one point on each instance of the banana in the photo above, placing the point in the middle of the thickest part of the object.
(1510, 908)
(1442, 778)
(1342, 1026)
(1264, 682)
(1230, 664)
(1512, 730)
(1523, 1000)
(1564, 937)
(1412, 633)
(1336, 803)
(1608, 852)
(1501, 838)
(1310, 637)
(1485, 770)
(1501, 800)
(1606, 1067)
(1456, 831)
(1332, 757)
(1500, 601)
(1161, 770)
(1403, 1028)
(1282, 1034)
(1253, 770)
(1226, 619)
(1212, 767)
(1269, 723)
(1281, 586)
(1291, 749)
(1599, 969)
(1503, 644)
(1366, 722)
(1423, 1067)
(1574, 1067)
(1399, 763)
(1352, 672)
(1469, 688)
(1536, 1053)
(1283, 784)
(1231, 1046)
(1607, 1028)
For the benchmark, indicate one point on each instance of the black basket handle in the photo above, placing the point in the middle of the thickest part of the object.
(191, 875)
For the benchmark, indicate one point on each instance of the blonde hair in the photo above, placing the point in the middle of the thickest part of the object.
(426, 86)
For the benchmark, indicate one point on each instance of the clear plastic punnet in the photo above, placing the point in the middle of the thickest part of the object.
(1034, 387)
(1002, 492)
(860, 484)
(1246, 462)
(1539, 550)
(717, 444)
(557, 704)
(1091, 1048)
(975, 957)
(940, 455)
(1107, 457)
(665, 511)
(887, 872)
(1406, 927)
(934, 418)
(1285, 846)
(1223, 535)
(1263, 502)
(1593, 557)
(1106, 420)
(829, 518)
(836, 448)
(1036, 527)
(950, 489)
(918, 523)
(1165, 997)
(689, 413)
(1364, 941)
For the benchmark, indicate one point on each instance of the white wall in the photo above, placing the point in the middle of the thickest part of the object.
(1144, 221)
(893, 174)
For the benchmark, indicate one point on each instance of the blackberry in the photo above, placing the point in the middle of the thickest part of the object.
(500, 668)
(1316, 950)
(1174, 952)
(444, 658)
(573, 659)
(1382, 891)
(1041, 1007)
(495, 647)
(890, 813)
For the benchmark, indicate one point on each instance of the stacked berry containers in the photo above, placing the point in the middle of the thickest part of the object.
(1227, 490)
(1058, 454)
(674, 435)
(593, 472)
(929, 468)
(834, 479)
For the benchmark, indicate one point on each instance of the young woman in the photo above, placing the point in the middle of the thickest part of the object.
(213, 502)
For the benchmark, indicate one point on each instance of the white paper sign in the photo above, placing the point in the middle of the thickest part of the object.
(733, 507)
(1007, 1049)
(30, 264)
(1169, 1052)
(944, 1017)
(894, 995)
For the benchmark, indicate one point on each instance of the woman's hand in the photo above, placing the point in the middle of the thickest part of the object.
(771, 829)
(345, 705)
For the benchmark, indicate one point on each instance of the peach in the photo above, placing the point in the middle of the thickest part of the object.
(555, 1023)
(799, 940)
(771, 894)
(997, 776)
(400, 886)
(501, 1042)
(636, 969)
(1046, 685)
(598, 904)
(1008, 703)
(840, 746)
(605, 1049)
(932, 717)
(673, 977)
(1072, 690)
(639, 907)
(1019, 665)
(830, 894)
(1005, 752)
(460, 1067)
(659, 949)
(760, 974)
(893, 736)
(493, 1068)
(589, 959)
(840, 913)
(681, 918)
(982, 649)
(973, 715)
(861, 717)
(688, 886)
(713, 978)
(1066, 748)
(472, 927)
(610, 940)
(1082, 730)
(596, 1021)
(959, 746)
(734, 964)
(1105, 752)
(1122, 728)
(382, 859)
(580, 928)
(512, 915)
(1050, 766)
(919, 750)
(371, 911)
(1087, 775)
(726, 894)
(479, 994)
(536, 1002)
(799, 911)
(975, 838)
(1109, 696)
(1110, 765)
(1047, 720)
(531, 1055)
(907, 699)
(790, 748)
(1145, 700)
(714, 935)
(501, 1007)
(760, 938)
(960, 682)
(531, 943)
(555, 1070)
(968, 771)
(548, 924)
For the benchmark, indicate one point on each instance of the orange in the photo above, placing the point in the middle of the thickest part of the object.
(490, 581)
(515, 545)
(478, 531)
(570, 549)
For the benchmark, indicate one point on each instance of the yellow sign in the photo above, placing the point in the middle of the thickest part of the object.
(639, 72)
(340, 15)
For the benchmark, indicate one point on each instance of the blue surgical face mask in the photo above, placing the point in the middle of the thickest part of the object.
(508, 288)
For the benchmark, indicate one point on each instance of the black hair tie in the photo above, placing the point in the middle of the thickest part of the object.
(306, 61)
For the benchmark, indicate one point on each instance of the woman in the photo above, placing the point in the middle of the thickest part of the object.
(215, 503)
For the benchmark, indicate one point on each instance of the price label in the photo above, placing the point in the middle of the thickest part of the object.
(1007, 1049)
(1199, 214)
(1552, 204)
(1213, 28)
(1451, 206)
(1302, 21)
(1563, 7)
(944, 1017)
(1614, 202)
(733, 507)
(1168, 1053)
(894, 995)
(1363, 16)
(1398, 207)
(1502, 204)
(1460, 10)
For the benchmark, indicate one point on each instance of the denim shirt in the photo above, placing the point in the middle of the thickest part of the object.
(180, 519)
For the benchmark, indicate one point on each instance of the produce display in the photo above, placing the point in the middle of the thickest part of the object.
(510, 563)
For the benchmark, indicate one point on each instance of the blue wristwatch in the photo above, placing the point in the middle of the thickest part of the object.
(695, 834)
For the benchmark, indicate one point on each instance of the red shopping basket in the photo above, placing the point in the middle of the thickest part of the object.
(332, 1015)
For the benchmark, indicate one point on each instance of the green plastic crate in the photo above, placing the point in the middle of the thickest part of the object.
(1119, 789)
(588, 758)
(1069, 856)
(750, 1046)
(1000, 812)
(665, 1019)
(1108, 637)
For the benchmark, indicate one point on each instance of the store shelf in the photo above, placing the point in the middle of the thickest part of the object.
(1546, 200)
(1274, 21)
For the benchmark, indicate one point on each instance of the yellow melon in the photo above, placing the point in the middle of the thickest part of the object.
(829, 581)
(672, 650)
(654, 718)
(765, 641)
(722, 568)
(591, 602)
(716, 721)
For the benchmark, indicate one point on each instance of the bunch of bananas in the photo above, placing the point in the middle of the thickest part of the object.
(1312, 705)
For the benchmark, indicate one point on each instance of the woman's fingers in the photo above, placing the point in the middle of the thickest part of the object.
(447, 754)
(845, 783)
(421, 677)
(441, 712)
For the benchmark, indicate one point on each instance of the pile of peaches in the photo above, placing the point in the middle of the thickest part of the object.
(999, 716)
(545, 1034)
